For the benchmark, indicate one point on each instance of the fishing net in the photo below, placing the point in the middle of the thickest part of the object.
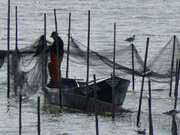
(161, 64)
(101, 62)
(27, 72)
(28, 66)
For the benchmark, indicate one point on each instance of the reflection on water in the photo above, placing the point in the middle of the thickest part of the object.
(78, 123)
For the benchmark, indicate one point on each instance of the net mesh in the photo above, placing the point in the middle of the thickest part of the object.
(101, 62)
(158, 68)
(161, 64)
(28, 66)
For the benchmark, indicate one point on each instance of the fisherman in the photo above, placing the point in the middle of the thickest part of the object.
(56, 56)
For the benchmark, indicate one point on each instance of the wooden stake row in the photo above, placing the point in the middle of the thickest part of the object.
(88, 49)
(68, 48)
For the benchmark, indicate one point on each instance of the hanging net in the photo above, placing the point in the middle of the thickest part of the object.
(28, 66)
(165, 59)
(101, 62)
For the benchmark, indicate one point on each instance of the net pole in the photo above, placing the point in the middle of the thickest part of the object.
(114, 50)
(44, 58)
(95, 111)
(149, 108)
(38, 116)
(133, 74)
(175, 126)
(113, 77)
(56, 29)
(172, 65)
(20, 114)
(68, 47)
(58, 65)
(177, 82)
(16, 29)
(142, 84)
(88, 47)
(55, 21)
(8, 48)
(16, 53)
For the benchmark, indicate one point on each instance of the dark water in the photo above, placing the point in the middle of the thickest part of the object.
(158, 19)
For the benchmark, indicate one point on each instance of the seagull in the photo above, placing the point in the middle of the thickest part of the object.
(130, 39)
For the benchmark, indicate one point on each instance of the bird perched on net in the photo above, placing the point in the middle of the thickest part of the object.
(130, 39)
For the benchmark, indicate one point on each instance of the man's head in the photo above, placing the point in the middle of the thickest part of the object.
(42, 38)
(54, 35)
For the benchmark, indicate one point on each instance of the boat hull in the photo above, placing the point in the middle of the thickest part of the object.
(82, 98)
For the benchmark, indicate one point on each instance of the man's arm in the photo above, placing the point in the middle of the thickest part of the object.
(48, 42)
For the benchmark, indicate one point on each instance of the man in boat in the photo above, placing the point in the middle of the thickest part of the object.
(56, 56)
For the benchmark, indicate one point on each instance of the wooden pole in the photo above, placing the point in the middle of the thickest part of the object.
(95, 97)
(56, 29)
(44, 57)
(113, 77)
(174, 127)
(59, 70)
(88, 48)
(172, 64)
(16, 30)
(150, 112)
(114, 51)
(55, 21)
(38, 116)
(142, 84)
(44, 49)
(68, 47)
(20, 114)
(133, 75)
(177, 82)
(16, 54)
(8, 48)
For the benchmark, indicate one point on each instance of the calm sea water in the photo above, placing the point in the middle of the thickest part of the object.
(157, 19)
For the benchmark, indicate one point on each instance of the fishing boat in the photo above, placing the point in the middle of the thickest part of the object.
(80, 96)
